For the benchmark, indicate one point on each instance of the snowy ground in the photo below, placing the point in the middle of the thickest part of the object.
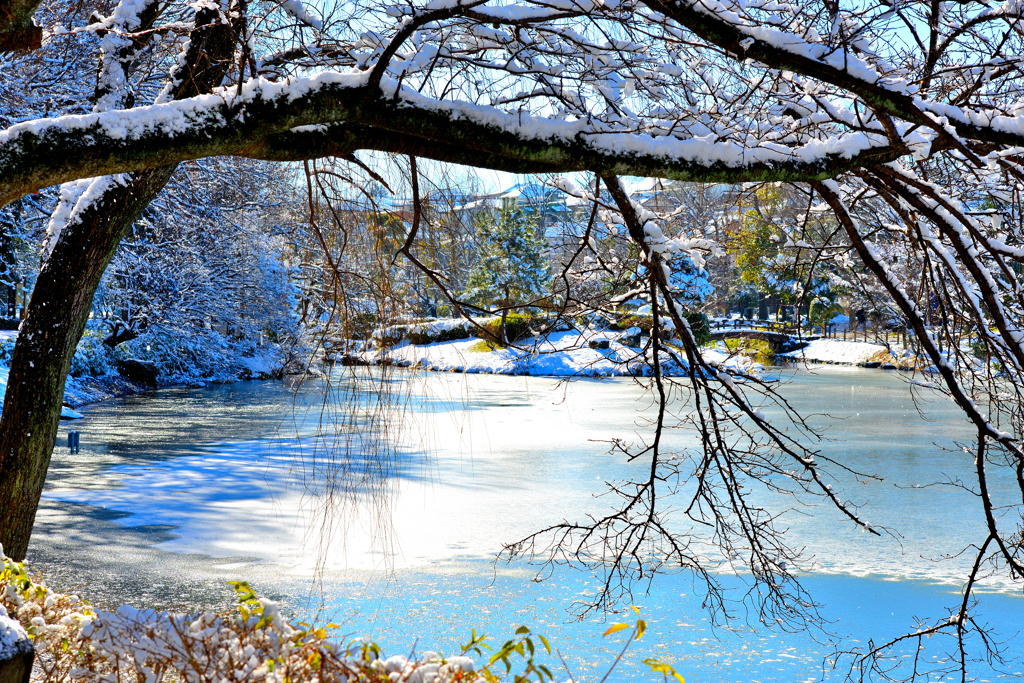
(566, 354)
(561, 354)
(835, 351)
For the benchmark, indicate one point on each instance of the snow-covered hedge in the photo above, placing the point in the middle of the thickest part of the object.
(178, 359)
(255, 644)
(76, 642)
(440, 331)
(517, 325)
(430, 332)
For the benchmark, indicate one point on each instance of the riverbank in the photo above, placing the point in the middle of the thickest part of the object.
(151, 361)
(599, 353)
(101, 372)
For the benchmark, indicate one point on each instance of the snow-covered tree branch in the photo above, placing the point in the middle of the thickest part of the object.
(900, 127)
(337, 114)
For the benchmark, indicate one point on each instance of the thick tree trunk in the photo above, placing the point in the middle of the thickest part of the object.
(18, 31)
(59, 308)
(55, 321)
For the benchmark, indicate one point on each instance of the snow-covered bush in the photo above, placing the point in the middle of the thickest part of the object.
(441, 331)
(642, 320)
(388, 337)
(75, 641)
(431, 332)
(92, 358)
(181, 359)
(178, 359)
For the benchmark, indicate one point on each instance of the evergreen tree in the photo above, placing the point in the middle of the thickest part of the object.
(512, 270)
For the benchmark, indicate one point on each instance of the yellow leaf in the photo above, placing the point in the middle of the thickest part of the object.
(636, 609)
(615, 628)
(663, 668)
(641, 626)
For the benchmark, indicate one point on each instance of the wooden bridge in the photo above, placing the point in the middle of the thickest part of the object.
(775, 340)
(775, 334)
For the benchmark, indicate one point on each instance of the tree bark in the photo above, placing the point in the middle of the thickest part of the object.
(54, 322)
(62, 299)
(356, 117)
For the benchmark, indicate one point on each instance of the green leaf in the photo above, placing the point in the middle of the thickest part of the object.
(521, 630)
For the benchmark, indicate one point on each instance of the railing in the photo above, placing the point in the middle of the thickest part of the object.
(874, 335)
(759, 325)
(858, 332)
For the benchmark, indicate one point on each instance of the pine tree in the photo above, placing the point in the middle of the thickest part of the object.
(512, 270)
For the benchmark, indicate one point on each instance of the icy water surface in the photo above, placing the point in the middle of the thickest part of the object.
(178, 491)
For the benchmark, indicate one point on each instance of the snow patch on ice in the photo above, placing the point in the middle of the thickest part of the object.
(835, 351)
(560, 354)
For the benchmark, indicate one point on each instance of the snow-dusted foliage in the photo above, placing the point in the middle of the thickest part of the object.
(206, 255)
(254, 644)
(899, 125)
(511, 270)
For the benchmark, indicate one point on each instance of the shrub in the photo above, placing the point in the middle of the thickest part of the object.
(758, 349)
(822, 310)
(700, 326)
(432, 332)
(517, 326)
(481, 346)
(391, 336)
(643, 321)
(253, 644)
(358, 325)
(440, 331)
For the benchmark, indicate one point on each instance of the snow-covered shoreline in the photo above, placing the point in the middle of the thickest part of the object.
(573, 354)
(560, 354)
(107, 382)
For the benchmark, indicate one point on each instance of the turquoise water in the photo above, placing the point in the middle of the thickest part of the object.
(432, 609)
(176, 492)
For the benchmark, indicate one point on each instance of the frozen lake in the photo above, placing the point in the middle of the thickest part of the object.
(176, 492)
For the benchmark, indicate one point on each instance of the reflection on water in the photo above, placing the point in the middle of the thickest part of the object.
(229, 483)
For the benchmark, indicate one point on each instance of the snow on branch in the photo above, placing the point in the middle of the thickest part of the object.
(722, 24)
(44, 152)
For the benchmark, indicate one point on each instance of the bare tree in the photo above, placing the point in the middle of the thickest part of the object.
(901, 121)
